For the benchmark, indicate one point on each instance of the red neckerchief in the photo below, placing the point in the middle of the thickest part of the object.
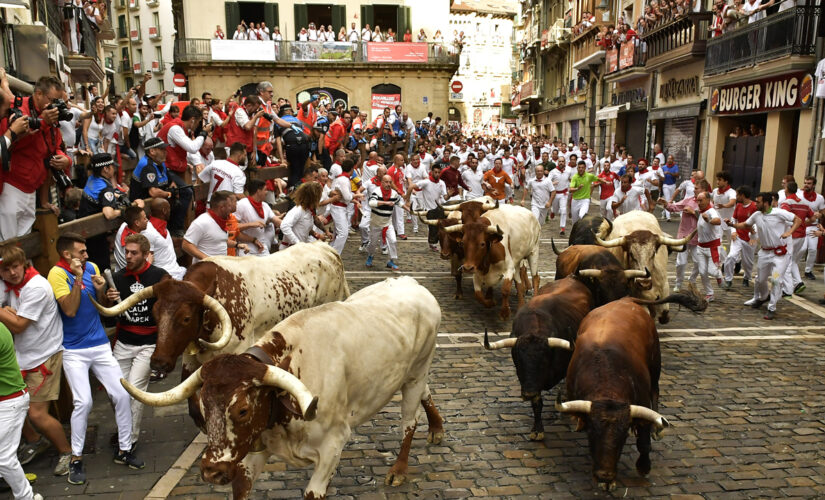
(812, 197)
(655, 168)
(386, 194)
(126, 232)
(431, 178)
(221, 222)
(30, 273)
(65, 265)
(232, 162)
(422, 155)
(793, 197)
(160, 225)
(136, 274)
(710, 205)
(343, 175)
(723, 190)
(375, 180)
(643, 171)
(257, 205)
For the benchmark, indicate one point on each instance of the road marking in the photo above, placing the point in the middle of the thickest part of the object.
(807, 305)
(172, 477)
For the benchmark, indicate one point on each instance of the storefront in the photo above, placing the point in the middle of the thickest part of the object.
(623, 122)
(759, 130)
(677, 114)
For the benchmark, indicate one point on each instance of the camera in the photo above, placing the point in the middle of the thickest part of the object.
(62, 180)
(63, 113)
(15, 113)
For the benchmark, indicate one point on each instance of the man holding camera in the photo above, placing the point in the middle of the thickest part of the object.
(151, 179)
(31, 156)
(241, 125)
(177, 134)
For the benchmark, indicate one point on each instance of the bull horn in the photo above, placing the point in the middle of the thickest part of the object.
(501, 344)
(495, 230)
(590, 273)
(282, 379)
(454, 229)
(489, 205)
(124, 306)
(175, 395)
(645, 413)
(577, 406)
(420, 212)
(554, 342)
(673, 242)
(225, 323)
(617, 242)
(427, 221)
(636, 273)
(451, 207)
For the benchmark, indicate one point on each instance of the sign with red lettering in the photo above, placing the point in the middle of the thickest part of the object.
(612, 60)
(789, 91)
(397, 52)
(626, 54)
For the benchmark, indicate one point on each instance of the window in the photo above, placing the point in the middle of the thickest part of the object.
(122, 32)
(136, 25)
(124, 54)
(159, 57)
(156, 21)
(139, 59)
(160, 85)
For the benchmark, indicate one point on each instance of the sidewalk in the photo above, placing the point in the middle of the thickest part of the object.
(165, 433)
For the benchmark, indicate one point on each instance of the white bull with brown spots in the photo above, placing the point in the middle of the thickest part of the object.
(300, 390)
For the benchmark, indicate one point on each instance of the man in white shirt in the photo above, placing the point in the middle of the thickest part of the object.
(135, 221)
(342, 184)
(370, 183)
(560, 177)
(484, 162)
(542, 194)
(203, 158)
(240, 33)
(207, 235)
(508, 165)
(724, 201)
(629, 197)
(160, 239)
(383, 202)
(709, 233)
(775, 229)
(754, 10)
(657, 153)
(312, 33)
(256, 219)
(817, 203)
(129, 109)
(472, 177)
(226, 175)
(415, 171)
(353, 36)
(366, 33)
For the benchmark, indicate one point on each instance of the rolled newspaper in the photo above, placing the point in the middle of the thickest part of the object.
(107, 273)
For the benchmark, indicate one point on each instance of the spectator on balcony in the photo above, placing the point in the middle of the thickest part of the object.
(264, 32)
(755, 9)
(219, 34)
(407, 36)
(629, 33)
(276, 34)
(588, 20)
(376, 34)
(303, 35)
(342, 34)
(322, 34)
(390, 35)
(787, 4)
(26, 171)
(330, 35)
(94, 12)
(366, 34)
(353, 36)
(240, 33)
(252, 32)
(313, 33)
(422, 37)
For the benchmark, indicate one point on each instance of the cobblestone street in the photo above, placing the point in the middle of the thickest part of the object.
(743, 396)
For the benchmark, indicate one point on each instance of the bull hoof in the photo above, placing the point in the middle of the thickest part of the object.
(664, 318)
(643, 466)
(656, 434)
(536, 436)
(395, 478)
(435, 436)
(504, 314)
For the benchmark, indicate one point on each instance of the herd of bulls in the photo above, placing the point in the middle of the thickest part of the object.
(265, 375)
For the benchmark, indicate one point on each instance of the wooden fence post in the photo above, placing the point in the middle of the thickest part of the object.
(45, 223)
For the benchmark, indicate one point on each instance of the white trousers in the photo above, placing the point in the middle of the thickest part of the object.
(606, 209)
(375, 239)
(364, 227)
(16, 212)
(12, 415)
(770, 268)
(416, 204)
(792, 277)
(706, 268)
(539, 212)
(560, 208)
(76, 366)
(398, 220)
(134, 363)
(811, 243)
(667, 192)
(681, 264)
(579, 208)
(339, 217)
(740, 251)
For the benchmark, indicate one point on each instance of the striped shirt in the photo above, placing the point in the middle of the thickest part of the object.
(383, 210)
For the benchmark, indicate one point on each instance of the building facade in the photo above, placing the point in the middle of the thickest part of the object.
(369, 75)
(145, 43)
(485, 29)
(676, 85)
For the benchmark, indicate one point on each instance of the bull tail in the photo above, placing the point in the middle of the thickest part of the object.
(553, 244)
(691, 300)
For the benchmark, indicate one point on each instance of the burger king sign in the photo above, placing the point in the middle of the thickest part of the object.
(789, 91)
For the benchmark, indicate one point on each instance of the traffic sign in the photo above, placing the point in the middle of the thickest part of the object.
(179, 80)
(456, 86)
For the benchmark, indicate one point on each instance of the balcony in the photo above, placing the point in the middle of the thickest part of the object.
(157, 66)
(624, 61)
(125, 66)
(133, 4)
(137, 68)
(119, 4)
(678, 41)
(201, 50)
(585, 51)
(85, 65)
(122, 32)
(152, 3)
(528, 91)
(154, 33)
(789, 33)
(134, 35)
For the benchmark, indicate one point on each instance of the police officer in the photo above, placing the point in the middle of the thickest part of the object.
(150, 179)
(295, 143)
(103, 195)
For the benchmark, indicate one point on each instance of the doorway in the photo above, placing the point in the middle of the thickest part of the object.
(320, 14)
(744, 149)
(386, 16)
(251, 12)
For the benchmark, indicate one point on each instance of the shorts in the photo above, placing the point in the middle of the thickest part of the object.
(50, 388)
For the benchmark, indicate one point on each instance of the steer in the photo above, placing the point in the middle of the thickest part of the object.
(451, 247)
(639, 243)
(256, 292)
(585, 229)
(494, 247)
(613, 385)
(301, 389)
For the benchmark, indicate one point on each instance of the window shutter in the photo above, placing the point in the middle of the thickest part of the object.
(367, 16)
(271, 15)
(301, 18)
(233, 18)
(339, 17)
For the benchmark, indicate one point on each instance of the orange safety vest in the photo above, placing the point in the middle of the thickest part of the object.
(308, 119)
(262, 132)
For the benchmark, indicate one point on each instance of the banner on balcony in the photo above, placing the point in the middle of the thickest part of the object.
(242, 50)
(789, 91)
(612, 60)
(626, 54)
(397, 52)
(381, 101)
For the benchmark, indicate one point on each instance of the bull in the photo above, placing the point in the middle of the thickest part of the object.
(293, 397)
(450, 243)
(244, 295)
(495, 244)
(585, 229)
(639, 243)
(613, 385)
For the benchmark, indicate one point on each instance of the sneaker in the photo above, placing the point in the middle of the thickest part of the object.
(737, 268)
(363, 247)
(77, 475)
(369, 261)
(719, 281)
(799, 288)
(728, 285)
(392, 265)
(402, 237)
(561, 232)
(352, 231)
(384, 251)
(434, 248)
(786, 295)
(156, 376)
(552, 214)
(709, 298)
(746, 282)
(755, 304)
(62, 467)
(810, 276)
(770, 314)
(129, 459)
(31, 450)
(415, 230)
(677, 288)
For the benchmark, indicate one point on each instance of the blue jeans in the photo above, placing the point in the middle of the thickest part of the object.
(127, 151)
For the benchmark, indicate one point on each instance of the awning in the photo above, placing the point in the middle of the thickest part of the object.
(675, 112)
(14, 4)
(593, 59)
(611, 112)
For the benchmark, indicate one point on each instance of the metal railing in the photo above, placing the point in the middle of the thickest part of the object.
(791, 32)
(691, 29)
(628, 55)
(89, 39)
(189, 50)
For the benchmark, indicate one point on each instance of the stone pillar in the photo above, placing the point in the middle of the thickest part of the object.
(803, 144)
(778, 133)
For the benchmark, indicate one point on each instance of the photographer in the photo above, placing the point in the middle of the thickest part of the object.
(176, 133)
(102, 195)
(32, 156)
(241, 125)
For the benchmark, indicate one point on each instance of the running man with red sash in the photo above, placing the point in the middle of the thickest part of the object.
(709, 226)
(741, 248)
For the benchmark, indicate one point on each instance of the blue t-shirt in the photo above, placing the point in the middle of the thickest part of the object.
(85, 329)
(669, 171)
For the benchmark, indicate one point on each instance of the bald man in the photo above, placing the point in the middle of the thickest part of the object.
(160, 239)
